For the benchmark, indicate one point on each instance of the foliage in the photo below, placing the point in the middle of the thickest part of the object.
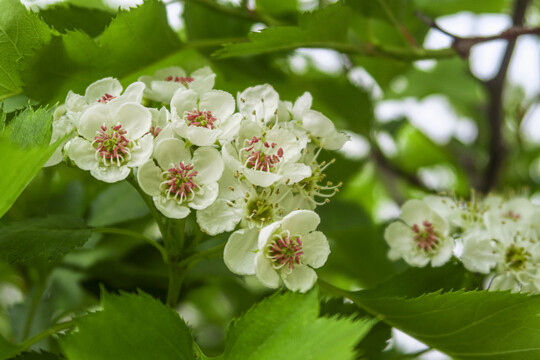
(94, 270)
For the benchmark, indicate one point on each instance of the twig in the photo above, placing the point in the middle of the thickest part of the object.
(495, 113)
(463, 45)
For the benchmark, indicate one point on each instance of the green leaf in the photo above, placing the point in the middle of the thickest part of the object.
(74, 60)
(21, 32)
(308, 33)
(42, 238)
(277, 7)
(135, 327)
(288, 324)
(446, 7)
(7, 349)
(23, 151)
(64, 17)
(31, 127)
(118, 203)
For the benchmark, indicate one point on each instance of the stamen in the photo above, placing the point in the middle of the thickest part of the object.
(112, 146)
(426, 238)
(178, 182)
(285, 251)
(106, 98)
(180, 79)
(200, 118)
(261, 155)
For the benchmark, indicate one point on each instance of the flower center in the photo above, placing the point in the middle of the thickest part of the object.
(426, 238)
(285, 251)
(180, 79)
(262, 155)
(154, 130)
(178, 182)
(112, 145)
(512, 216)
(260, 211)
(516, 257)
(201, 119)
(106, 98)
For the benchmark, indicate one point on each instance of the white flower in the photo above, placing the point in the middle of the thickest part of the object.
(266, 157)
(204, 118)
(181, 181)
(288, 249)
(240, 203)
(480, 252)
(421, 238)
(61, 127)
(165, 82)
(317, 124)
(104, 91)
(112, 140)
(259, 104)
(517, 214)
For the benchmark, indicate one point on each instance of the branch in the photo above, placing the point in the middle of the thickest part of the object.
(495, 113)
(463, 45)
(246, 14)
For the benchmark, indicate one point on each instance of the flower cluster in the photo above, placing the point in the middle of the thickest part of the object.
(497, 236)
(247, 166)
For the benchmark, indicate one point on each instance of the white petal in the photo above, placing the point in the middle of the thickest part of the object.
(163, 91)
(230, 127)
(287, 141)
(205, 196)
(444, 252)
(204, 80)
(265, 235)
(261, 178)
(302, 278)
(399, 237)
(171, 152)
(416, 212)
(301, 221)
(199, 136)
(209, 165)
(142, 151)
(265, 272)
(316, 249)
(92, 119)
(335, 141)
(317, 124)
(218, 217)
(294, 172)
(182, 101)
(219, 102)
(261, 99)
(302, 105)
(173, 71)
(240, 251)
(82, 153)
(171, 208)
(505, 281)
(97, 89)
(133, 93)
(230, 157)
(149, 177)
(135, 119)
(110, 174)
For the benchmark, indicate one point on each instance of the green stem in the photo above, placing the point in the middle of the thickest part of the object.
(204, 43)
(199, 354)
(238, 12)
(46, 333)
(206, 254)
(135, 235)
(176, 277)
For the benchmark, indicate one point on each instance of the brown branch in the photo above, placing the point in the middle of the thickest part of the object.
(495, 113)
(463, 45)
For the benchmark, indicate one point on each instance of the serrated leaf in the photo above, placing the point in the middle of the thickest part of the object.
(64, 17)
(21, 32)
(31, 127)
(135, 327)
(277, 7)
(288, 324)
(308, 33)
(463, 324)
(135, 39)
(23, 151)
(42, 238)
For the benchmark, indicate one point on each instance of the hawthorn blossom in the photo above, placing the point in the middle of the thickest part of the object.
(204, 118)
(289, 250)
(316, 124)
(266, 157)
(421, 237)
(180, 181)
(259, 104)
(111, 140)
(241, 204)
(165, 82)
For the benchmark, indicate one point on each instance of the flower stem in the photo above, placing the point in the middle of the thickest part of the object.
(206, 254)
(174, 245)
(176, 277)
